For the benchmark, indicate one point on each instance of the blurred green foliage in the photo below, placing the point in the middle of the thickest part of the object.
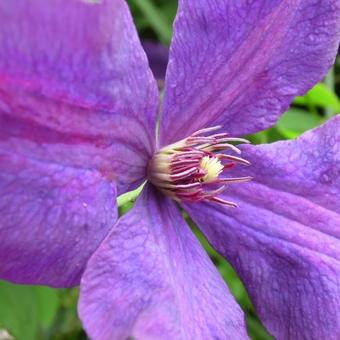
(28, 312)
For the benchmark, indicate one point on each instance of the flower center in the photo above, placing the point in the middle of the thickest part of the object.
(194, 168)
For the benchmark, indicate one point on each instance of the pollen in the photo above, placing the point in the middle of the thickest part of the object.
(212, 166)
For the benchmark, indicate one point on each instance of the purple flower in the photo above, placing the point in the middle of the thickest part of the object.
(78, 109)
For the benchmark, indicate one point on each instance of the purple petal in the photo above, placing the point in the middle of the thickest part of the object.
(239, 63)
(75, 87)
(151, 279)
(284, 237)
(52, 220)
(158, 56)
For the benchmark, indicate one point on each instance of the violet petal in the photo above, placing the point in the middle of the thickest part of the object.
(284, 238)
(52, 218)
(240, 63)
(151, 279)
(75, 87)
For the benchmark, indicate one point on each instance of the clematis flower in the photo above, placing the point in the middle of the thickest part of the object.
(78, 111)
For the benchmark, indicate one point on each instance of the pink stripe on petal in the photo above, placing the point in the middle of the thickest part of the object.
(75, 87)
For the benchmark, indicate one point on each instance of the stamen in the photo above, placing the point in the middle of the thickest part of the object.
(236, 179)
(215, 192)
(239, 140)
(187, 169)
(233, 158)
(224, 202)
(213, 128)
(183, 174)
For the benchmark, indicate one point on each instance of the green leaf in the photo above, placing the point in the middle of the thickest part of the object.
(157, 20)
(256, 329)
(295, 121)
(47, 305)
(320, 95)
(24, 310)
(129, 197)
(17, 312)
